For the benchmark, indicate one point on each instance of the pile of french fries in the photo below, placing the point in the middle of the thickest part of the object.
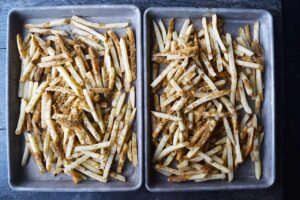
(207, 92)
(78, 98)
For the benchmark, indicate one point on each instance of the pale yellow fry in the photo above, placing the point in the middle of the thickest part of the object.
(132, 97)
(216, 46)
(158, 36)
(123, 47)
(217, 35)
(232, 69)
(90, 127)
(49, 24)
(248, 64)
(92, 147)
(85, 34)
(91, 174)
(109, 162)
(31, 65)
(134, 149)
(207, 40)
(25, 155)
(243, 97)
(163, 74)
(35, 96)
(211, 177)
(74, 74)
(160, 147)
(70, 146)
(75, 87)
(22, 115)
(206, 98)
(166, 116)
(170, 149)
(91, 43)
(184, 28)
(99, 25)
(229, 160)
(47, 31)
(89, 30)
(228, 130)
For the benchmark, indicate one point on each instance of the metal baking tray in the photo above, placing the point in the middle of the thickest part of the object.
(28, 178)
(244, 177)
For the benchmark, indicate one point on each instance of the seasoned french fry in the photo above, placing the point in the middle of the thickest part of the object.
(44, 31)
(127, 67)
(91, 43)
(35, 96)
(207, 40)
(49, 24)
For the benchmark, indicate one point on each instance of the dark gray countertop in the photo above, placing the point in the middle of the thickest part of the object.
(275, 192)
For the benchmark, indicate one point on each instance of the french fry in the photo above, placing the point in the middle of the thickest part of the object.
(207, 40)
(134, 149)
(44, 31)
(25, 155)
(232, 69)
(35, 152)
(49, 24)
(91, 43)
(217, 50)
(166, 116)
(204, 99)
(229, 160)
(243, 97)
(21, 48)
(90, 174)
(90, 127)
(99, 25)
(132, 52)
(31, 65)
(122, 158)
(35, 96)
(70, 146)
(85, 34)
(109, 162)
(160, 147)
(169, 149)
(92, 147)
(158, 36)
(248, 64)
(22, 115)
(127, 67)
(89, 30)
